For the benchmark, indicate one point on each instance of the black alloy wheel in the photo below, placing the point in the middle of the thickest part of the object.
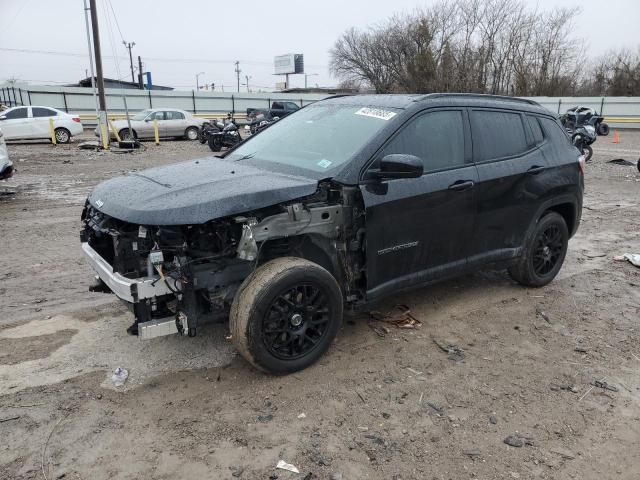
(548, 250)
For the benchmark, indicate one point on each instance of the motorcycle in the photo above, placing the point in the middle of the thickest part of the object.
(226, 135)
(259, 123)
(583, 125)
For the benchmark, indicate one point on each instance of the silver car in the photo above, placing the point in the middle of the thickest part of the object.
(6, 166)
(172, 122)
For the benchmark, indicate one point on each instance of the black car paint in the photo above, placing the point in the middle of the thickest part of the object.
(418, 230)
(196, 192)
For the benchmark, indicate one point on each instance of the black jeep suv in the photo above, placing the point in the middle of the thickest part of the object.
(338, 204)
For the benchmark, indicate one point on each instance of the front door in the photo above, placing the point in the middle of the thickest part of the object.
(420, 229)
(15, 123)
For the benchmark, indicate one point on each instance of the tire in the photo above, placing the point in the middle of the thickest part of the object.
(125, 136)
(191, 133)
(62, 135)
(603, 129)
(299, 301)
(215, 143)
(587, 151)
(544, 253)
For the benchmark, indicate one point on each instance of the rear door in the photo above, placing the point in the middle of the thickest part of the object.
(40, 121)
(15, 123)
(175, 123)
(419, 229)
(513, 176)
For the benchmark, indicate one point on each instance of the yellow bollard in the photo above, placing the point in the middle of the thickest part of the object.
(105, 136)
(155, 131)
(52, 132)
(114, 131)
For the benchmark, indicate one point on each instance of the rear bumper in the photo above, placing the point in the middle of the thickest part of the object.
(131, 290)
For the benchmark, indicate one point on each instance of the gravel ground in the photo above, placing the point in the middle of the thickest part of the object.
(380, 407)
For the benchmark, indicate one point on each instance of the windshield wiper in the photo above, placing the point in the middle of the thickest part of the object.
(246, 157)
(165, 185)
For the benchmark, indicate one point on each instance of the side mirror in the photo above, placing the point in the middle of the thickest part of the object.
(3, 117)
(147, 119)
(400, 165)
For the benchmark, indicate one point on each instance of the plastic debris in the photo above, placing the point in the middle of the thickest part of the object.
(287, 466)
(633, 258)
(622, 161)
(302, 415)
(402, 319)
(119, 376)
(604, 385)
(455, 352)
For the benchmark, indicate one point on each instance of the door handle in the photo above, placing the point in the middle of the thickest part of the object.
(536, 169)
(461, 185)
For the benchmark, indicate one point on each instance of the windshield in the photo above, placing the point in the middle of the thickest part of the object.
(141, 115)
(319, 137)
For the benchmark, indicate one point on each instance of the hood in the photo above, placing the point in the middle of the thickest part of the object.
(195, 192)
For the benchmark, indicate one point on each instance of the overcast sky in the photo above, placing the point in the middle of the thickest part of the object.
(178, 39)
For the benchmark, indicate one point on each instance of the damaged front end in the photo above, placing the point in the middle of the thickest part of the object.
(176, 278)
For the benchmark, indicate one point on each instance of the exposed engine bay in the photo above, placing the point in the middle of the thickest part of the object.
(175, 278)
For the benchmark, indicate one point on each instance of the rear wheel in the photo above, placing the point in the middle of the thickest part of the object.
(191, 133)
(587, 151)
(603, 129)
(544, 253)
(286, 314)
(62, 135)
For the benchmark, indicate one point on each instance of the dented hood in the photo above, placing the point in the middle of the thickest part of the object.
(195, 192)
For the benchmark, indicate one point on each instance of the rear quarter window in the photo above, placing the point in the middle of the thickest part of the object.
(554, 131)
(536, 130)
(497, 134)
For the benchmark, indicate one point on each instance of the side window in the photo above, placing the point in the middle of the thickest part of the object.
(436, 137)
(554, 131)
(279, 105)
(157, 116)
(173, 115)
(43, 112)
(536, 131)
(497, 134)
(17, 113)
(292, 106)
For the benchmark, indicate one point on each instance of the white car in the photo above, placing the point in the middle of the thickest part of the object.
(26, 123)
(6, 166)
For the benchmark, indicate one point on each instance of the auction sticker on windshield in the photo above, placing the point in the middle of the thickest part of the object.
(376, 113)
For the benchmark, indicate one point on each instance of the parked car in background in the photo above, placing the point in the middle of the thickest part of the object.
(278, 109)
(172, 122)
(32, 122)
(336, 206)
(6, 165)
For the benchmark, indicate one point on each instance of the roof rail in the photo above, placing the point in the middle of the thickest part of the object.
(481, 95)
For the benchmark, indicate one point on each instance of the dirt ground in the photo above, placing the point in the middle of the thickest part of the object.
(394, 406)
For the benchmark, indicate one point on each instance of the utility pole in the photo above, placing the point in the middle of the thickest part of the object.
(238, 73)
(102, 101)
(247, 77)
(129, 46)
(197, 81)
(93, 77)
(140, 81)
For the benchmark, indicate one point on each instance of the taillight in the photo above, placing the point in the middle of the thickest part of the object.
(582, 162)
(76, 119)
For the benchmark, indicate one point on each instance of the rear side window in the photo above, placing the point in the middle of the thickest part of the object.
(497, 134)
(17, 113)
(536, 131)
(554, 131)
(173, 115)
(43, 112)
(436, 137)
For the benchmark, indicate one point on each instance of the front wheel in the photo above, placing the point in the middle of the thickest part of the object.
(126, 136)
(285, 315)
(215, 143)
(191, 133)
(62, 135)
(603, 129)
(587, 151)
(544, 252)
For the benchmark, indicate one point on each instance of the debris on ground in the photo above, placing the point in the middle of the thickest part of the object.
(302, 415)
(265, 418)
(472, 452)
(287, 466)
(604, 385)
(633, 258)
(566, 454)
(455, 352)
(119, 376)
(2, 420)
(518, 441)
(622, 161)
(379, 330)
(493, 419)
(542, 314)
(401, 319)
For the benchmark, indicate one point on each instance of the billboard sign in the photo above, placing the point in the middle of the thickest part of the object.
(289, 63)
